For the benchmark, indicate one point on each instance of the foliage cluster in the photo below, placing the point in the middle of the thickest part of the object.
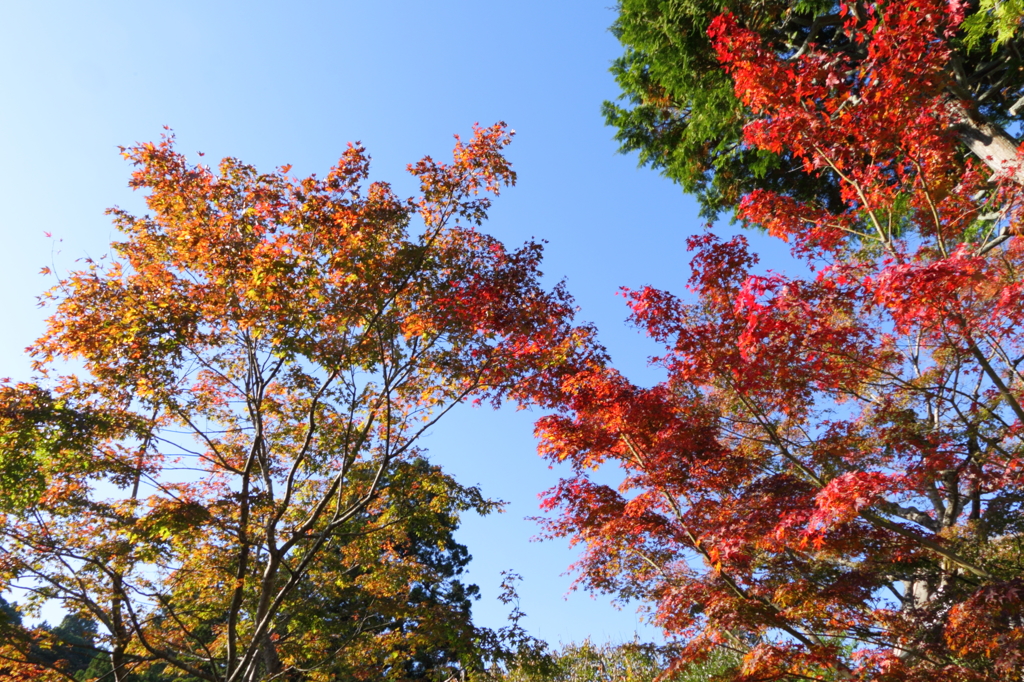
(680, 113)
(828, 480)
(630, 662)
(233, 488)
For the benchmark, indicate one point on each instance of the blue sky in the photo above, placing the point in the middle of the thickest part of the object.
(292, 83)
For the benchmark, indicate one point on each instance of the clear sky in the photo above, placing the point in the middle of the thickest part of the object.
(292, 82)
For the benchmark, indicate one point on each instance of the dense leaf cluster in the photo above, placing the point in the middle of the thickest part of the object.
(680, 114)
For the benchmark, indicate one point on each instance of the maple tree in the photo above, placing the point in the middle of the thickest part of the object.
(682, 116)
(231, 488)
(830, 479)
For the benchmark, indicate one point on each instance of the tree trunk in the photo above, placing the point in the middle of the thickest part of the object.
(272, 667)
(990, 143)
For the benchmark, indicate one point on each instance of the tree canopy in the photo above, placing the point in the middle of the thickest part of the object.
(828, 480)
(232, 486)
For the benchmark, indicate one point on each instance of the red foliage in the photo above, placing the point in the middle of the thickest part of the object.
(829, 478)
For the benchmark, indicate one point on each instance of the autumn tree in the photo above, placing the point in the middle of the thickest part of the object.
(681, 115)
(232, 486)
(828, 482)
(407, 609)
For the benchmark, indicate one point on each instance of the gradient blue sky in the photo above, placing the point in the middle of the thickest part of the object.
(292, 82)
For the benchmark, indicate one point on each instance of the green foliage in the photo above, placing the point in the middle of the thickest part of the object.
(69, 647)
(100, 668)
(8, 614)
(37, 433)
(631, 662)
(680, 113)
(997, 21)
(391, 582)
(76, 637)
